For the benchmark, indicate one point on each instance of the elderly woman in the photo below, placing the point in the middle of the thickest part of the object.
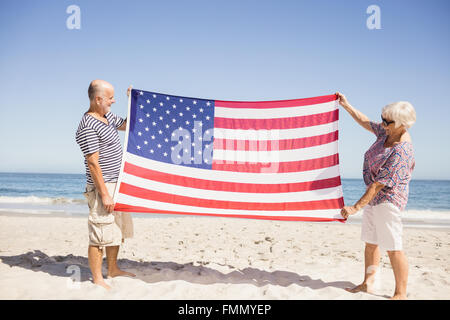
(388, 165)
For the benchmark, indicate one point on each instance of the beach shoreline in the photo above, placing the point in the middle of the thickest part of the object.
(212, 258)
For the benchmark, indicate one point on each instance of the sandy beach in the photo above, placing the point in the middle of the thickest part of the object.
(43, 257)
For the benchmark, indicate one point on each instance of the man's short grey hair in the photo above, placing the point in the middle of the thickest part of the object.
(402, 112)
(95, 89)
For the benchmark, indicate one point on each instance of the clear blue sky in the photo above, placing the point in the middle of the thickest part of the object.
(229, 50)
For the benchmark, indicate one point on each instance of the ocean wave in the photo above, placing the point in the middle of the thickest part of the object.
(41, 200)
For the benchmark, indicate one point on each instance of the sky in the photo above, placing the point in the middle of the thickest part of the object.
(225, 50)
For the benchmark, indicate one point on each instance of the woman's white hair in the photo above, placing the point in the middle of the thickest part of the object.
(402, 112)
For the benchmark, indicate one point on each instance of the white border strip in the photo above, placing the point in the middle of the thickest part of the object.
(119, 180)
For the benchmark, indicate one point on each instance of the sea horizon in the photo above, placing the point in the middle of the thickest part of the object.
(83, 174)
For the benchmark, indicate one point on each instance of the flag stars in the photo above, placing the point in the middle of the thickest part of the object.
(161, 104)
(141, 93)
(141, 120)
(174, 106)
(139, 133)
(138, 147)
(195, 102)
(148, 100)
(148, 115)
(146, 129)
(208, 103)
(141, 106)
(201, 110)
(152, 151)
(154, 109)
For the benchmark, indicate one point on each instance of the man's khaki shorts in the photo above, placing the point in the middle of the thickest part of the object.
(106, 229)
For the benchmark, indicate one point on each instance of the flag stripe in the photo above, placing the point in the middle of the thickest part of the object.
(285, 144)
(148, 194)
(279, 167)
(324, 172)
(307, 195)
(277, 134)
(159, 205)
(273, 113)
(131, 208)
(280, 123)
(275, 104)
(206, 184)
(272, 156)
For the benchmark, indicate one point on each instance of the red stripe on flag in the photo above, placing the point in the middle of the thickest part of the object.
(277, 167)
(275, 104)
(268, 145)
(229, 186)
(278, 123)
(147, 194)
(128, 208)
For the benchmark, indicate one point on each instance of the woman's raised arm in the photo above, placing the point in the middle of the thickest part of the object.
(359, 117)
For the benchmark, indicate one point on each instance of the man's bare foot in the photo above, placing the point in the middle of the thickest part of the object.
(103, 284)
(399, 297)
(363, 287)
(120, 273)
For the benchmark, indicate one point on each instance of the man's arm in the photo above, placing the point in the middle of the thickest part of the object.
(370, 193)
(123, 127)
(97, 176)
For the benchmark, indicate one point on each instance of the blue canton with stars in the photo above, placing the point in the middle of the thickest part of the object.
(171, 129)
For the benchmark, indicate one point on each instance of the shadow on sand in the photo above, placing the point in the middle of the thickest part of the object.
(157, 271)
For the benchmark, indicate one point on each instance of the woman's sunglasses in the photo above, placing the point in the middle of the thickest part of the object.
(385, 122)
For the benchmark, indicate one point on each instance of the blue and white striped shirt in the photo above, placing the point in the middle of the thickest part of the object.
(94, 135)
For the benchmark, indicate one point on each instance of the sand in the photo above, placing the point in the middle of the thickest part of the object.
(212, 258)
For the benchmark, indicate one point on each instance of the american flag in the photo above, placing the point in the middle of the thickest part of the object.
(274, 160)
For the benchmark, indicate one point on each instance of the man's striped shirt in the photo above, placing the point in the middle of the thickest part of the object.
(94, 135)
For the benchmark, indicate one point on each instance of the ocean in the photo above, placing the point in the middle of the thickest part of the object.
(62, 195)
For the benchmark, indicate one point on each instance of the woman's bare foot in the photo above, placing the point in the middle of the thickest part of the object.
(363, 287)
(120, 273)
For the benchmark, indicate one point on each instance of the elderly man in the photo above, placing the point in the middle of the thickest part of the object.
(99, 141)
